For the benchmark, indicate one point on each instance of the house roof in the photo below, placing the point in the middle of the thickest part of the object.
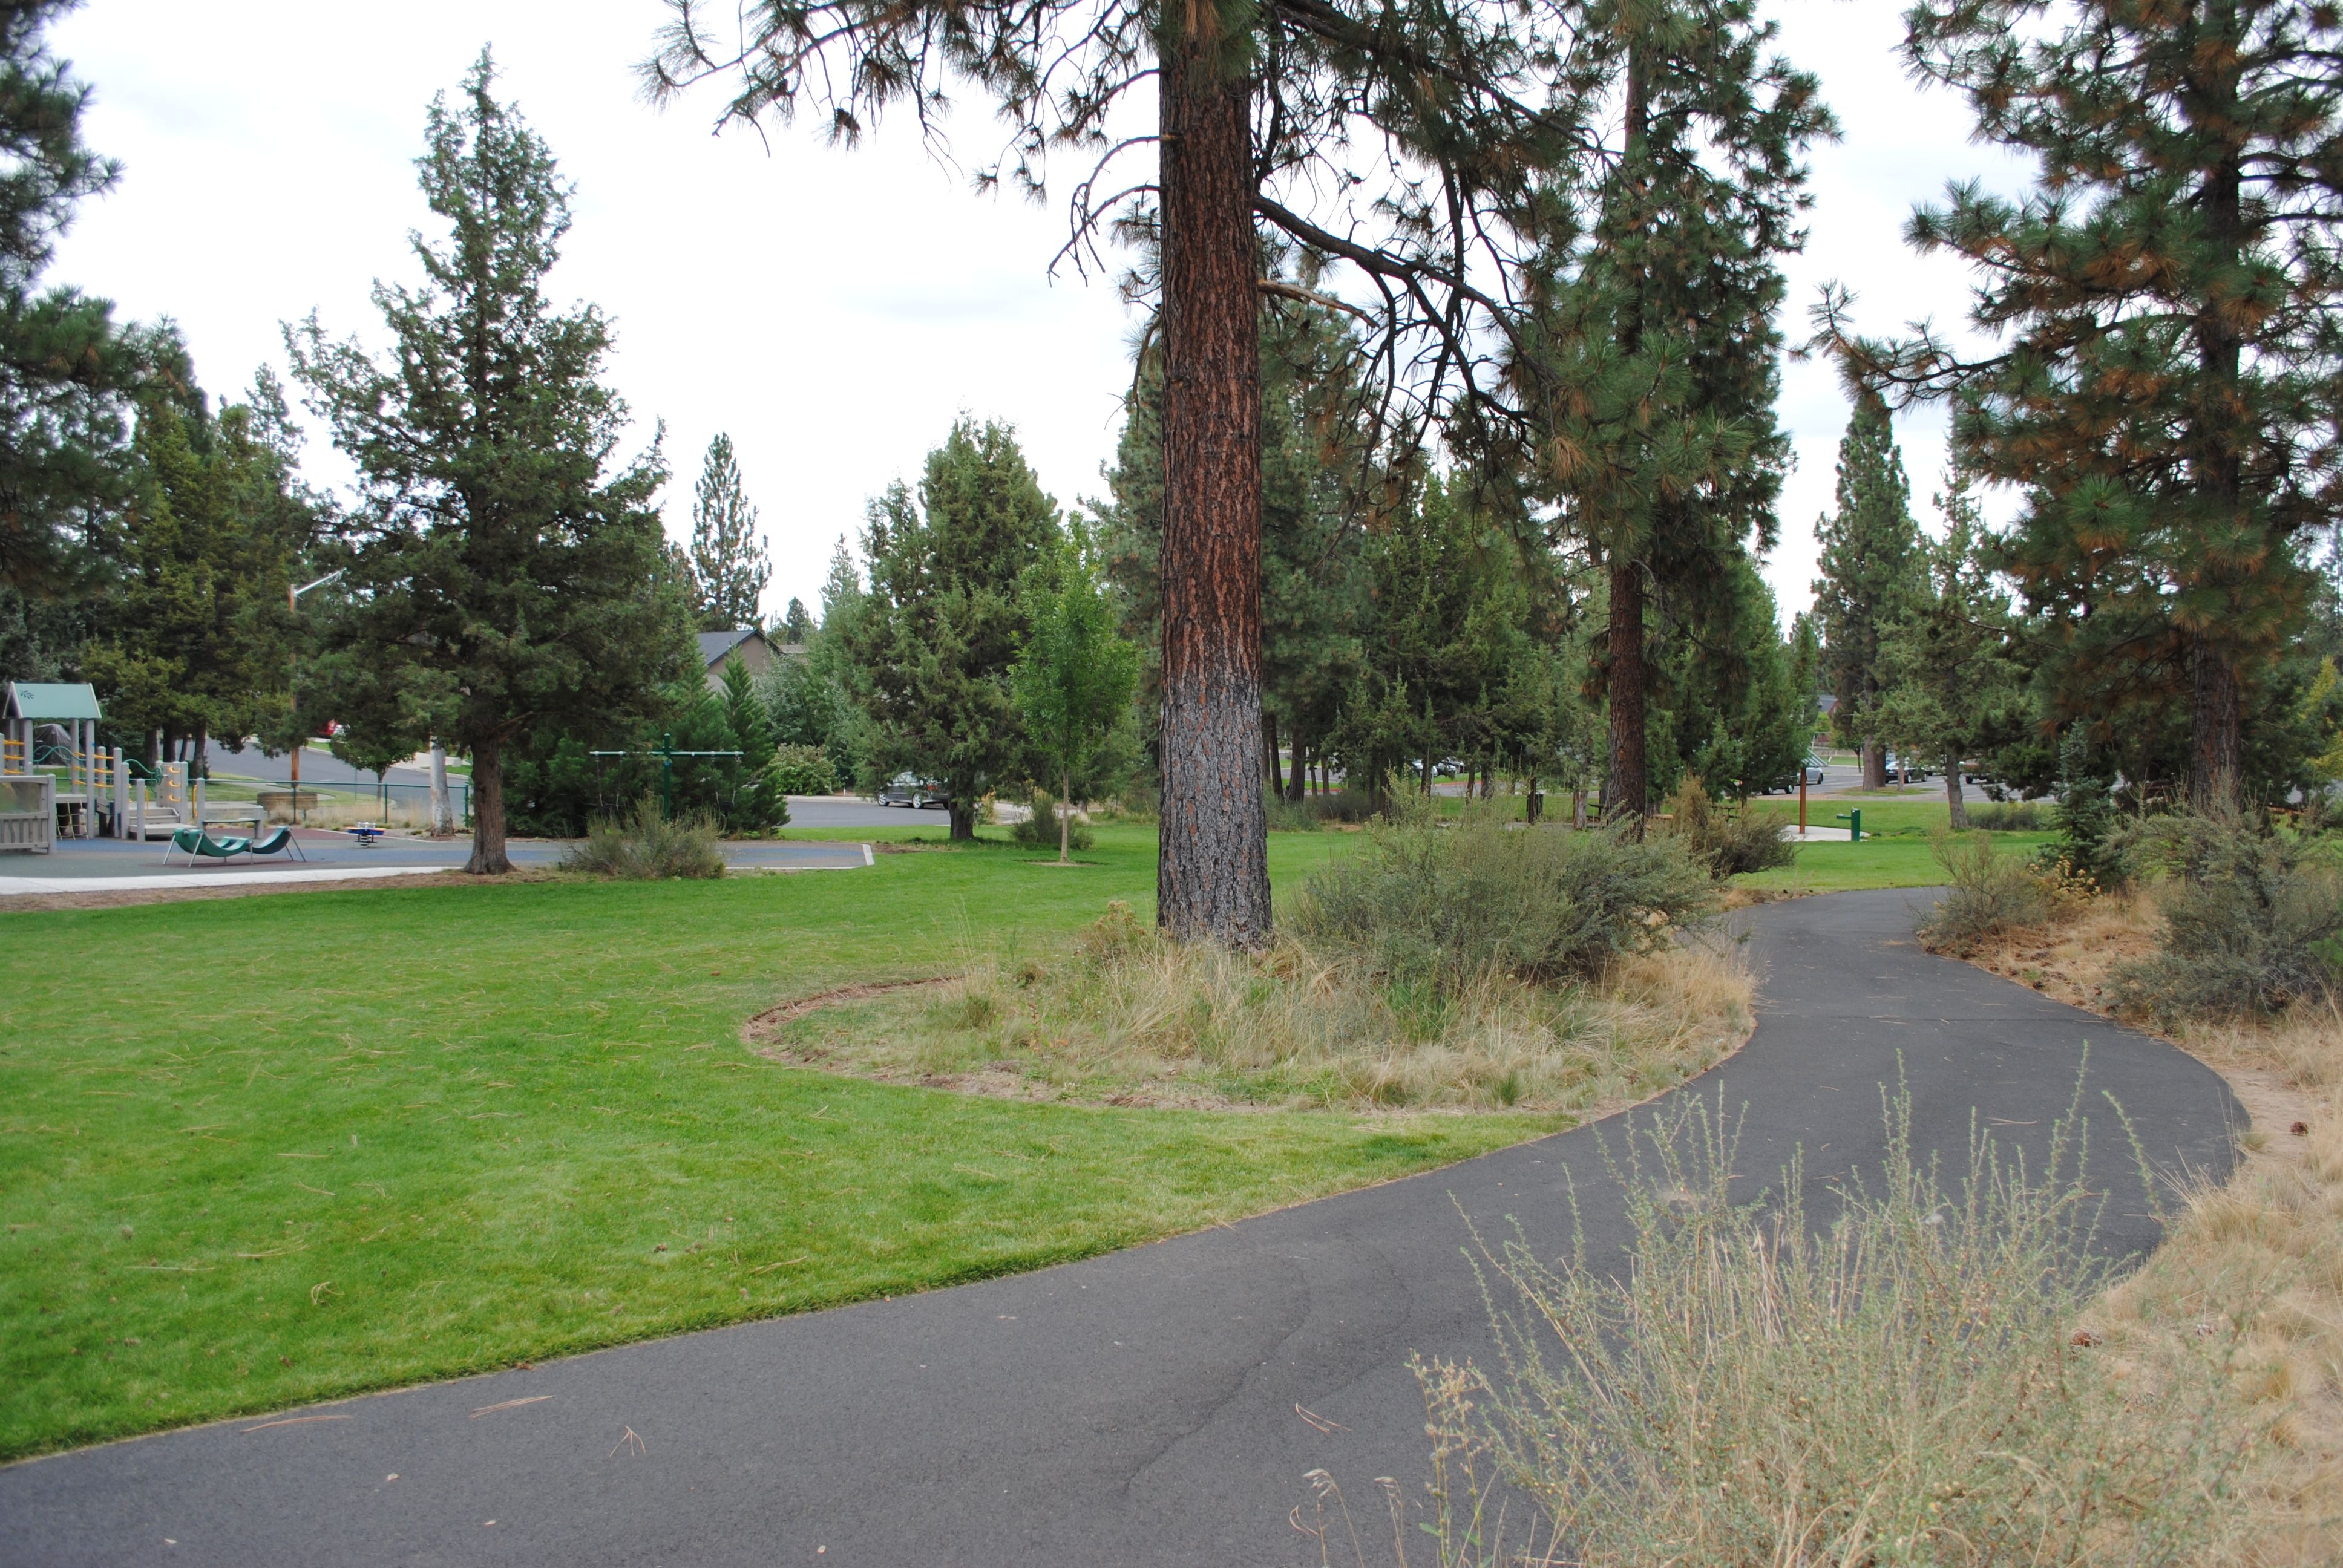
(49, 703)
(715, 646)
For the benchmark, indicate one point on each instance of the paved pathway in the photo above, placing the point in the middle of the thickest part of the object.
(1138, 1408)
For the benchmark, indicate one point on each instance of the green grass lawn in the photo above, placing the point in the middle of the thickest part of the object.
(263, 1151)
(1896, 851)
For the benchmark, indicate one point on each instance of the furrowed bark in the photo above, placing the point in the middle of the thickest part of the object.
(1626, 795)
(1212, 868)
(488, 858)
(1960, 808)
(2217, 748)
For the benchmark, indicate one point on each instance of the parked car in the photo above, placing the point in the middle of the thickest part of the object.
(919, 794)
(1914, 774)
(1811, 773)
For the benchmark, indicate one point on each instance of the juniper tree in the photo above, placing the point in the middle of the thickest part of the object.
(504, 570)
(730, 567)
(1653, 361)
(1871, 560)
(2165, 305)
(1944, 658)
(930, 647)
(1405, 147)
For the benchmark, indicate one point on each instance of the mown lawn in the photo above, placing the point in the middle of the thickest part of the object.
(1896, 849)
(265, 1151)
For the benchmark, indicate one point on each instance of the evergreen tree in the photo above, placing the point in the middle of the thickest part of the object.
(757, 803)
(199, 641)
(730, 567)
(1654, 348)
(1871, 563)
(1945, 658)
(503, 575)
(1315, 469)
(796, 624)
(1417, 139)
(67, 369)
(1074, 675)
(930, 645)
(2167, 302)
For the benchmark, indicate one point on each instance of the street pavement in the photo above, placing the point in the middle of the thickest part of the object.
(115, 865)
(1161, 1405)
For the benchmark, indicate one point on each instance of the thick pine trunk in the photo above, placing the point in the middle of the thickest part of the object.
(488, 858)
(1874, 765)
(962, 813)
(1269, 747)
(1626, 794)
(1960, 809)
(1212, 868)
(2217, 742)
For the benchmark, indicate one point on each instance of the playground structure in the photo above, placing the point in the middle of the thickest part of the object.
(90, 791)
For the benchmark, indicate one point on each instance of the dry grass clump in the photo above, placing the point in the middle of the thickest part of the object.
(1727, 842)
(1902, 1385)
(1130, 1018)
(1443, 966)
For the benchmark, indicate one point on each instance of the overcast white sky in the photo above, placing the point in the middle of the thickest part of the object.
(833, 311)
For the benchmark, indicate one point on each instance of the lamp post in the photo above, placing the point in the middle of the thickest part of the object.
(300, 741)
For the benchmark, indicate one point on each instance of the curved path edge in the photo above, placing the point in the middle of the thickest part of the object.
(1157, 1406)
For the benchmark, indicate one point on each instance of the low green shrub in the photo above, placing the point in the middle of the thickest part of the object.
(1443, 906)
(1292, 817)
(647, 846)
(2011, 816)
(1905, 1384)
(1992, 895)
(1344, 805)
(802, 770)
(1726, 842)
(1040, 826)
(2252, 919)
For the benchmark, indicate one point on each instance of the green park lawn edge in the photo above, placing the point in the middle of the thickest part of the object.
(258, 1152)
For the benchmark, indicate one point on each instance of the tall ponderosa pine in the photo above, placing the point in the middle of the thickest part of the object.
(931, 643)
(1318, 481)
(1405, 146)
(2168, 299)
(67, 371)
(1654, 360)
(1872, 566)
(730, 566)
(503, 574)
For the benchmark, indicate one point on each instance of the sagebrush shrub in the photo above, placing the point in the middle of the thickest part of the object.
(2252, 918)
(1992, 895)
(1445, 905)
(647, 845)
(1039, 827)
(1726, 842)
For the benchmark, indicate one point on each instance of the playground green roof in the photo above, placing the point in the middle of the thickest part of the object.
(39, 702)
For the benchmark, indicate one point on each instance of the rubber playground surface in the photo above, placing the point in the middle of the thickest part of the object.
(117, 865)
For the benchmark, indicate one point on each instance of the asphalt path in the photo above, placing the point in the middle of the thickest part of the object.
(1155, 1406)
